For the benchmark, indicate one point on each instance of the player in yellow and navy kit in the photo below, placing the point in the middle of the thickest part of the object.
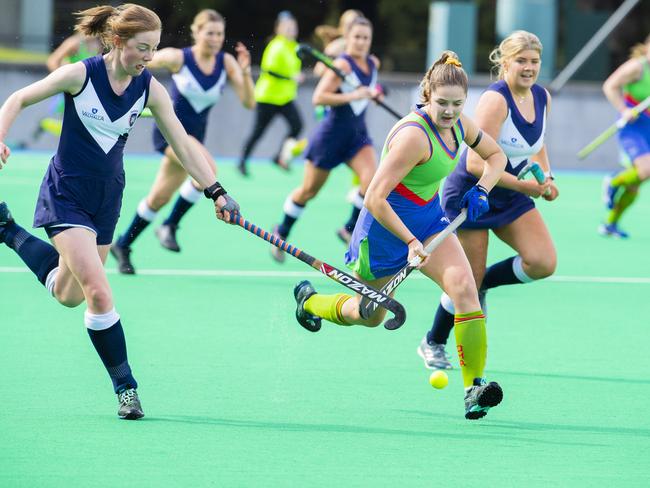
(628, 86)
(402, 213)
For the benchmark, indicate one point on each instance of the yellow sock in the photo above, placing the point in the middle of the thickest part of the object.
(328, 307)
(471, 342)
(626, 177)
(622, 203)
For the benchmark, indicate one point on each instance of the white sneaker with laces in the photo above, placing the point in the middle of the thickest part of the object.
(435, 356)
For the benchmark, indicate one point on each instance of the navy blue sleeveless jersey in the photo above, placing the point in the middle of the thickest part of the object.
(519, 140)
(97, 122)
(355, 111)
(194, 93)
(343, 132)
(84, 182)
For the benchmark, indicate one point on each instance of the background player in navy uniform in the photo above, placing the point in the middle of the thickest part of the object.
(199, 76)
(81, 193)
(513, 111)
(342, 137)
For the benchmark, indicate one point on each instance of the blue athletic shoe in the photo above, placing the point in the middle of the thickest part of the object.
(5, 219)
(481, 397)
(301, 293)
(609, 192)
(612, 230)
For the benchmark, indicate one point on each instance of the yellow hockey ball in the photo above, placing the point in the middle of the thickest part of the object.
(439, 379)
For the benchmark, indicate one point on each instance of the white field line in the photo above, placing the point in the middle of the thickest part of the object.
(298, 274)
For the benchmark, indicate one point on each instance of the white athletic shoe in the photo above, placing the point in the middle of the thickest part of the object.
(435, 356)
(291, 149)
(276, 253)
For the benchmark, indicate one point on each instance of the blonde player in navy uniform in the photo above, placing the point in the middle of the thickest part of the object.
(342, 137)
(199, 76)
(80, 197)
(513, 111)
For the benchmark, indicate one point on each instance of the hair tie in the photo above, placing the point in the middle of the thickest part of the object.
(453, 61)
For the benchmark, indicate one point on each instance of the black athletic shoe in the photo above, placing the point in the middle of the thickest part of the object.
(345, 235)
(241, 167)
(5, 219)
(130, 408)
(302, 292)
(482, 397)
(123, 257)
(166, 234)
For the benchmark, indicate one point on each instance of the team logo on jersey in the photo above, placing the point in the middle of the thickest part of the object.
(512, 142)
(93, 114)
(133, 118)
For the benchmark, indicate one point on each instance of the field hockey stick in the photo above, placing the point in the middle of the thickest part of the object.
(538, 173)
(367, 307)
(303, 49)
(611, 130)
(378, 298)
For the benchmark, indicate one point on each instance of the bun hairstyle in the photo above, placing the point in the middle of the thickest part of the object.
(124, 21)
(446, 71)
(512, 45)
(640, 50)
(203, 17)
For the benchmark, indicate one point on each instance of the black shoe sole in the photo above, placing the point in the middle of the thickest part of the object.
(313, 325)
(490, 397)
(171, 248)
(132, 416)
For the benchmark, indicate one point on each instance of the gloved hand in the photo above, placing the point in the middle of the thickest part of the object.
(476, 202)
(226, 207)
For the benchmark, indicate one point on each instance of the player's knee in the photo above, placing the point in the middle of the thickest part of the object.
(542, 265)
(462, 290)
(98, 296)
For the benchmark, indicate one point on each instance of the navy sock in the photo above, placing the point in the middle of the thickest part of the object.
(442, 325)
(287, 223)
(285, 227)
(138, 224)
(39, 256)
(499, 274)
(181, 206)
(111, 347)
(352, 221)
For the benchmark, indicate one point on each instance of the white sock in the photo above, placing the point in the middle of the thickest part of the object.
(189, 193)
(145, 212)
(51, 280)
(447, 304)
(100, 321)
(518, 270)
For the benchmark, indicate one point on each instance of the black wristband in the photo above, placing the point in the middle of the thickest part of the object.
(481, 188)
(214, 191)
